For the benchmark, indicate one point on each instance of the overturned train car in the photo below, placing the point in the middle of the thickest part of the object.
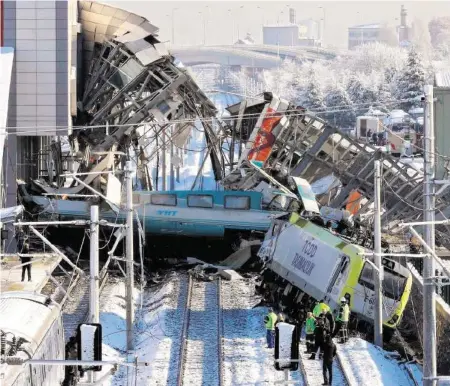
(305, 262)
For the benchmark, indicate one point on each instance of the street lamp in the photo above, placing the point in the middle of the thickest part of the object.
(206, 14)
(361, 30)
(173, 25)
(239, 19)
(262, 23)
(204, 29)
(323, 26)
(230, 12)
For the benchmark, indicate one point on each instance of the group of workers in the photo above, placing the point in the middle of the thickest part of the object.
(320, 329)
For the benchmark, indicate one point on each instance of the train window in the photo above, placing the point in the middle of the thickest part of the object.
(237, 202)
(393, 283)
(200, 201)
(164, 199)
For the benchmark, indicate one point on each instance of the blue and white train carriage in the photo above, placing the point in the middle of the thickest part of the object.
(181, 212)
(203, 213)
(30, 328)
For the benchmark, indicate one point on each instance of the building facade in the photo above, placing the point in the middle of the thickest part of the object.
(287, 35)
(363, 34)
(38, 31)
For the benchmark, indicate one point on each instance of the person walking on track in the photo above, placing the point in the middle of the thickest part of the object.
(329, 352)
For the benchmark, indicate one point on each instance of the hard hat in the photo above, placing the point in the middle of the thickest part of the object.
(343, 300)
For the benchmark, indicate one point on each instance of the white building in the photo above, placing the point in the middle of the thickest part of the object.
(363, 34)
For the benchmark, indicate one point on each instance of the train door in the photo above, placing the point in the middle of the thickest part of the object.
(337, 281)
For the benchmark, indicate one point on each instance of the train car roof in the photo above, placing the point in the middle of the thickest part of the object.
(324, 234)
(215, 193)
(27, 315)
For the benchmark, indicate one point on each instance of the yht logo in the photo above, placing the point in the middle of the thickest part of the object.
(167, 212)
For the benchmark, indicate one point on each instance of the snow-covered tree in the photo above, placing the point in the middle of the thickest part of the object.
(410, 83)
(313, 98)
(439, 28)
(362, 91)
(340, 109)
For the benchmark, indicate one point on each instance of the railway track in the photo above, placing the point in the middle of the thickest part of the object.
(201, 349)
(312, 370)
(74, 300)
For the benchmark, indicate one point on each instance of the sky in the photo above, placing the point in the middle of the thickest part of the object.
(220, 22)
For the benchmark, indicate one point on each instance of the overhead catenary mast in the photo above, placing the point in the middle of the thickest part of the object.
(429, 295)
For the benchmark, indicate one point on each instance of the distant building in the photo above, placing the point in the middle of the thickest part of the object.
(442, 122)
(381, 33)
(309, 29)
(364, 34)
(302, 33)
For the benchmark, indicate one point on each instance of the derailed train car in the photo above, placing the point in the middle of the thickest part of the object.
(304, 262)
(32, 330)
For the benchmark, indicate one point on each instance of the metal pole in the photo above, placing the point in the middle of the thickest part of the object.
(429, 305)
(163, 160)
(173, 25)
(93, 280)
(94, 303)
(377, 275)
(172, 169)
(130, 257)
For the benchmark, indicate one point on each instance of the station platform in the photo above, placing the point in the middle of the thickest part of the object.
(11, 272)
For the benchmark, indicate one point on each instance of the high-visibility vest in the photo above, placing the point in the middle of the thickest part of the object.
(310, 325)
(344, 313)
(320, 308)
(270, 320)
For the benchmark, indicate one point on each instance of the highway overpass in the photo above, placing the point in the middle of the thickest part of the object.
(259, 56)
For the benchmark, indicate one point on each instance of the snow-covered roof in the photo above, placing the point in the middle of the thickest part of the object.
(366, 26)
(442, 78)
(416, 110)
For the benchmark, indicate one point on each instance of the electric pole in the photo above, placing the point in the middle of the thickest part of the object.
(163, 159)
(172, 169)
(378, 273)
(129, 255)
(94, 279)
(429, 305)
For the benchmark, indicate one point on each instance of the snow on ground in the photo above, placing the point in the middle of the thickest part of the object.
(153, 336)
(365, 364)
(313, 369)
(247, 361)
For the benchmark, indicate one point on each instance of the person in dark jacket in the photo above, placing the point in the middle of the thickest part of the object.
(330, 319)
(329, 352)
(23, 248)
(319, 337)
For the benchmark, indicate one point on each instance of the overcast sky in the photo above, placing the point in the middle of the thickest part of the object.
(222, 26)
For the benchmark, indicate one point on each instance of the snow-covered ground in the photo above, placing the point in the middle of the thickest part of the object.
(247, 361)
(365, 364)
(158, 328)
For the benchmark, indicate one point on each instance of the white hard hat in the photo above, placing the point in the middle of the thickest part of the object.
(343, 300)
